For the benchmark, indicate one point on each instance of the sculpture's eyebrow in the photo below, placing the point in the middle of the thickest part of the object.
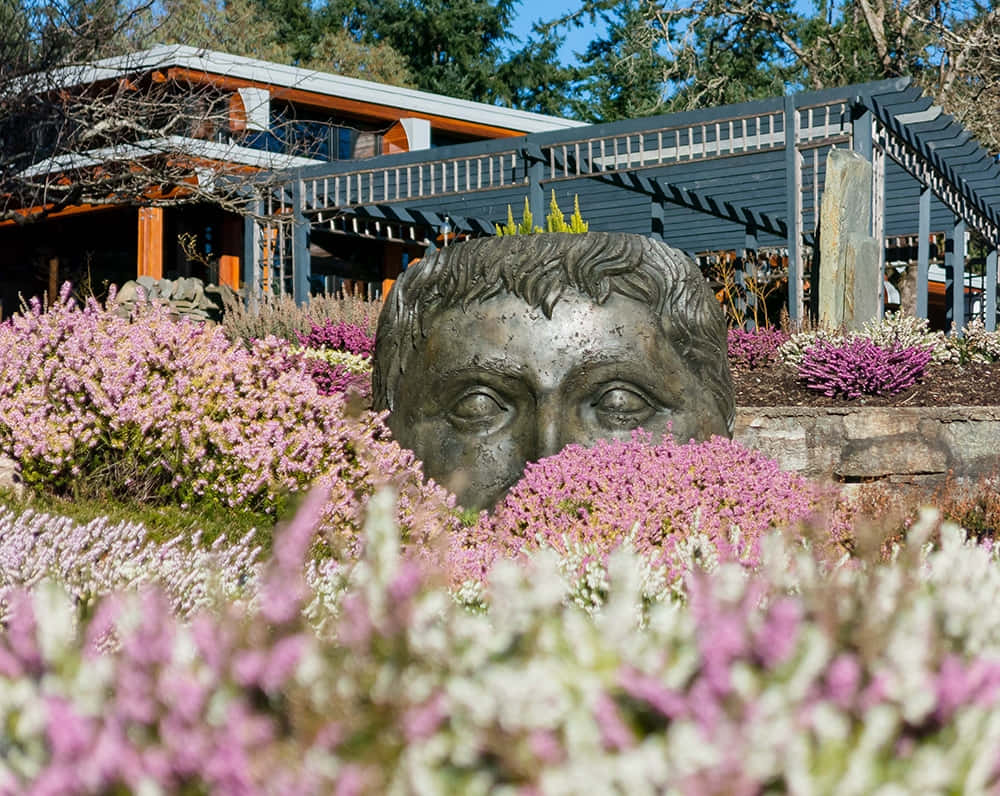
(499, 367)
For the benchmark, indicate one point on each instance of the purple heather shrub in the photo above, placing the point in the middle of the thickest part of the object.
(338, 336)
(857, 367)
(755, 348)
(713, 498)
(331, 379)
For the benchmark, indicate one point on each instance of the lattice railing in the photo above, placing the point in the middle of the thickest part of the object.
(574, 158)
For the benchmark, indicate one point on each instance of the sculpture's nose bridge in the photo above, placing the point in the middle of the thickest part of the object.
(549, 422)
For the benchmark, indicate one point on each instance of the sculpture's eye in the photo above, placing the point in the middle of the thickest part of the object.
(477, 409)
(623, 407)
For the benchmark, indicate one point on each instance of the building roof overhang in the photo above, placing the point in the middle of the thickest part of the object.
(335, 92)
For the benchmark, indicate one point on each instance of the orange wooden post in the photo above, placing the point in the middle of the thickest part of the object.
(229, 260)
(150, 255)
(392, 267)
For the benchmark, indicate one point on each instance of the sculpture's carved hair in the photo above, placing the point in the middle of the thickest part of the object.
(539, 269)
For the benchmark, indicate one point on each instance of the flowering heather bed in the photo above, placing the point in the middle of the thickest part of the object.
(675, 504)
(883, 364)
(634, 618)
(173, 411)
(756, 348)
(793, 677)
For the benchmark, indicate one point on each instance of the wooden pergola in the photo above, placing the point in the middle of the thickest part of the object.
(736, 177)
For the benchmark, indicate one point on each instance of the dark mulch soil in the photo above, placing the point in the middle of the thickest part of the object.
(943, 385)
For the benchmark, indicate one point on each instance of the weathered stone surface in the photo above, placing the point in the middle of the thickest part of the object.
(187, 289)
(978, 440)
(10, 476)
(877, 422)
(908, 445)
(862, 281)
(848, 278)
(187, 297)
(892, 455)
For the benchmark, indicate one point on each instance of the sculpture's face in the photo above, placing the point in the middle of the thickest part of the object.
(500, 385)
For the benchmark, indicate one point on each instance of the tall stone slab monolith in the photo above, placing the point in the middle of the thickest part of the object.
(849, 278)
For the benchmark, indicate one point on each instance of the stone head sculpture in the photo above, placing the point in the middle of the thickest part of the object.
(496, 352)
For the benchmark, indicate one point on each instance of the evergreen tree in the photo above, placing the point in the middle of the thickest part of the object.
(621, 73)
(234, 26)
(456, 47)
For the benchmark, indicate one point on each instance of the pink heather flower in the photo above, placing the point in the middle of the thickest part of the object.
(874, 693)
(615, 734)
(755, 348)
(422, 721)
(776, 641)
(69, 734)
(20, 637)
(338, 336)
(858, 367)
(721, 632)
(843, 677)
(545, 746)
(351, 781)
(281, 662)
(649, 690)
(406, 583)
(355, 627)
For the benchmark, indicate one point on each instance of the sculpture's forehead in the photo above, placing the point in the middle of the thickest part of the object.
(505, 333)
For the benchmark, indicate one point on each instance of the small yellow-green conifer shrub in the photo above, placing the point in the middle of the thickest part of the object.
(555, 221)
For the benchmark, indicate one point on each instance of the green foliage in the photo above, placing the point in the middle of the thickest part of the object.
(163, 522)
(621, 72)
(555, 221)
(458, 48)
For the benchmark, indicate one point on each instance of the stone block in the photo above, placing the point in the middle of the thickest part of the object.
(883, 457)
(976, 445)
(880, 422)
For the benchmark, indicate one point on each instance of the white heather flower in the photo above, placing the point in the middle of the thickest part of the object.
(56, 618)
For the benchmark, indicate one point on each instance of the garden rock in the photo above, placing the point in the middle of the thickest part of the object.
(188, 297)
(10, 476)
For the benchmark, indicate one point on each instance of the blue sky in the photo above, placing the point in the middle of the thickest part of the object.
(530, 11)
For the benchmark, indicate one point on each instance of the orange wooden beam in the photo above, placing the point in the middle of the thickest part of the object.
(73, 210)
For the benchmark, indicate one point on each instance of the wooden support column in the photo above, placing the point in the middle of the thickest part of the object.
(991, 291)
(923, 251)
(229, 259)
(954, 268)
(251, 255)
(656, 218)
(793, 204)
(878, 220)
(392, 267)
(150, 254)
(861, 134)
(750, 246)
(53, 280)
(958, 262)
(536, 196)
(301, 262)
